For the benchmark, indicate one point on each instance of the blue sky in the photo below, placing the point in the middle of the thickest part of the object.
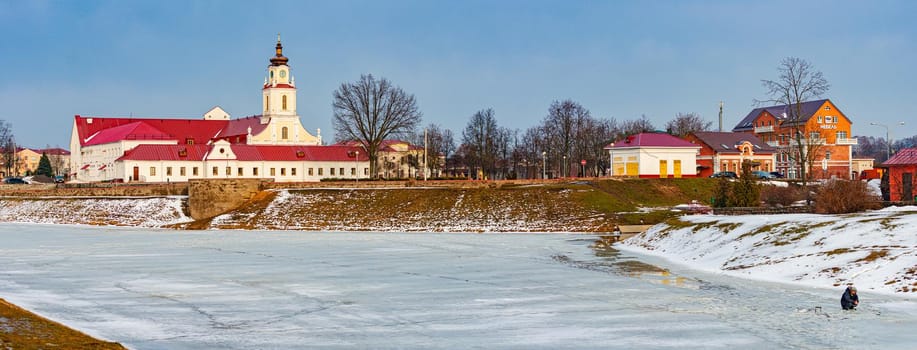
(618, 59)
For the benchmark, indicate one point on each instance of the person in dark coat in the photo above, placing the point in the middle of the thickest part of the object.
(850, 300)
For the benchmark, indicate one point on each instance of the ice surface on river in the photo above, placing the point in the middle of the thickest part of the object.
(151, 289)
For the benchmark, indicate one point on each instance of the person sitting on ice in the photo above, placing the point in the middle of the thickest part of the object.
(850, 300)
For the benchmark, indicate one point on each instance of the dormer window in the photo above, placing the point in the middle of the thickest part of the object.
(189, 141)
(183, 152)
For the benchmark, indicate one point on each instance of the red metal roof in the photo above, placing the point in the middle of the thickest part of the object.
(167, 152)
(247, 153)
(286, 86)
(200, 131)
(907, 156)
(650, 140)
(132, 131)
(297, 153)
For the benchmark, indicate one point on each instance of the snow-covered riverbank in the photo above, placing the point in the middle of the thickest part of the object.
(876, 251)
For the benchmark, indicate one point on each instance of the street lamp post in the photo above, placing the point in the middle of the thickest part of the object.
(544, 165)
(888, 141)
(356, 167)
(563, 167)
(611, 159)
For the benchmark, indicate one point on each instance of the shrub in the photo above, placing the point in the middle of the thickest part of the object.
(721, 193)
(844, 196)
(745, 191)
(780, 196)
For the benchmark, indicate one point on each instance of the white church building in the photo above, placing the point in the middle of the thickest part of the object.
(273, 145)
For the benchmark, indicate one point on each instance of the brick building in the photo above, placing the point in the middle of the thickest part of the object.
(824, 133)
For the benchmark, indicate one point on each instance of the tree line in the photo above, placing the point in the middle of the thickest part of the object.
(568, 142)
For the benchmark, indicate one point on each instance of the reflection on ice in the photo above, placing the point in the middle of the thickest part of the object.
(280, 290)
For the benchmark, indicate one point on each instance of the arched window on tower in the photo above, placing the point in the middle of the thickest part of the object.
(267, 103)
(283, 132)
(284, 103)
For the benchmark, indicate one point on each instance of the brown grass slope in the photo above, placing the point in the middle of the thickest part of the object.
(576, 206)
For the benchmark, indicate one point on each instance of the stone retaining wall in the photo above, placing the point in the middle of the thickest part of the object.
(211, 197)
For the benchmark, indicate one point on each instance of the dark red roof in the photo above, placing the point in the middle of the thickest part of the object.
(725, 142)
(907, 156)
(167, 152)
(808, 110)
(650, 140)
(239, 127)
(199, 130)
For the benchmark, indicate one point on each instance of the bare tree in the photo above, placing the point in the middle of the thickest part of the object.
(633, 127)
(371, 110)
(687, 123)
(58, 163)
(797, 83)
(480, 139)
(440, 146)
(7, 147)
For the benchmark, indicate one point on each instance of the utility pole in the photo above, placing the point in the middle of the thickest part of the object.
(425, 154)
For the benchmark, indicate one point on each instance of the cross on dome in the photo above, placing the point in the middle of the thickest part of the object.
(279, 59)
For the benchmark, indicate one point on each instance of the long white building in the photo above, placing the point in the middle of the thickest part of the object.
(272, 145)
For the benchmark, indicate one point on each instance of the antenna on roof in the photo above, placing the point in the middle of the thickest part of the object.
(721, 116)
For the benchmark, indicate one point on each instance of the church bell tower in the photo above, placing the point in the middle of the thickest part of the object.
(279, 91)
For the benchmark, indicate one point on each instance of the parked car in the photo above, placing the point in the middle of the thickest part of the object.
(777, 175)
(14, 181)
(59, 179)
(763, 175)
(726, 174)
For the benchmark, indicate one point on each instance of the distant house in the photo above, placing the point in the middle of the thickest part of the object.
(28, 159)
(860, 165)
(725, 151)
(901, 180)
(653, 155)
(821, 124)
(395, 158)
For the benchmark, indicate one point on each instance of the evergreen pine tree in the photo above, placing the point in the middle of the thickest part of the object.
(722, 192)
(745, 192)
(44, 166)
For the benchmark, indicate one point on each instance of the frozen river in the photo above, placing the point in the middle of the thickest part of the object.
(152, 289)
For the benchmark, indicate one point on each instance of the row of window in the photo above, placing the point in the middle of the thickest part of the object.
(812, 135)
(240, 171)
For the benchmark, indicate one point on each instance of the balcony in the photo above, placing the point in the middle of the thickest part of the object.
(846, 141)
(760, 129)
(818, 141)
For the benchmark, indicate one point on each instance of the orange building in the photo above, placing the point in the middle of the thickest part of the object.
(825, 135)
